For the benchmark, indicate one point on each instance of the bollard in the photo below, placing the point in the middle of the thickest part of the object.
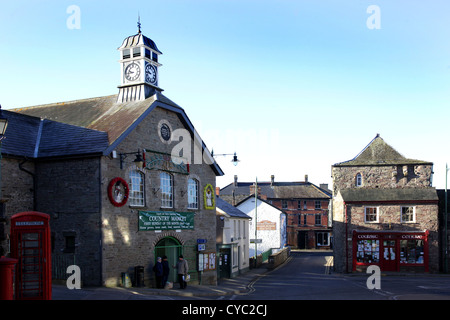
(7, 266)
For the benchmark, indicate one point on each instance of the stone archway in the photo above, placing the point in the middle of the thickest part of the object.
(171, 247)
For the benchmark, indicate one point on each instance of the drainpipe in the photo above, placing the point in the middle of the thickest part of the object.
(34, 181)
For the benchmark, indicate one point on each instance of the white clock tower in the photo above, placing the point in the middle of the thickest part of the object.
(139, 68)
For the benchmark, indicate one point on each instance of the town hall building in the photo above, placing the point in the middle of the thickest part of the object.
(105, 171)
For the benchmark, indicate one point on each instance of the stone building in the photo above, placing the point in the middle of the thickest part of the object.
(385, 212)
(120, 187)
(305, 204)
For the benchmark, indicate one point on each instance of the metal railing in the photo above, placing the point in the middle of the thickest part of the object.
(60, 262)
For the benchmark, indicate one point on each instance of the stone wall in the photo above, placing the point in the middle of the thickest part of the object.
(17, 190)
(68, 190)
(401, 176)
(123, 245)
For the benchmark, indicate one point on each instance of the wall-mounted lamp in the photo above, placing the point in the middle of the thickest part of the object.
(138, 161)
(235, 158)
(3, 125)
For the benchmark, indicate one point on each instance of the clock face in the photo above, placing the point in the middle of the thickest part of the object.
(150, 73)
(165, 132)
(132, 72)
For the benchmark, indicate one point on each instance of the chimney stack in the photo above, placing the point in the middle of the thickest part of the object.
(217, 191)
(235, 180)
(306, 178)
(272, 179)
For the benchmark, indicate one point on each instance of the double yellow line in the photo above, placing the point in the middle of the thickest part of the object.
(328, 264)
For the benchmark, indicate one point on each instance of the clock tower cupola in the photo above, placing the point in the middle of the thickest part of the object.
(139, 68)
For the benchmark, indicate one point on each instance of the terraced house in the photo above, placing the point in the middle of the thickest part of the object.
(104, 170)
(385, 212)
(305, 204)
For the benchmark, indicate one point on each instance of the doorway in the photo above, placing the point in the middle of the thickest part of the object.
(302, 239)
(389, 262)
(172, 248)
(224, 263)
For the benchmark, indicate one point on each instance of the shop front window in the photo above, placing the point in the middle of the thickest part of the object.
(411, 251)
(368, 251)
(323, 239)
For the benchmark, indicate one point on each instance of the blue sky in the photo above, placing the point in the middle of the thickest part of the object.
(291, 86)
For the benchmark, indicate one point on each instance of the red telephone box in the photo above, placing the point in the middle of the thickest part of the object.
(31, 246)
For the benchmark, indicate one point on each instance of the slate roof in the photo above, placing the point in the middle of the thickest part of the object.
(386, 195)
(101, 113)
(229, 209)
(378, 152)
(139, 39)
(32, 137)
(104, 114)
(279, 190)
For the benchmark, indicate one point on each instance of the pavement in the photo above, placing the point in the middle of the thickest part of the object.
(239, 285)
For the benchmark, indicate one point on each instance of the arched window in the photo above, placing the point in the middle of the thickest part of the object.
(136, 196)
(166, 186)
(358, 182)
(192, 194)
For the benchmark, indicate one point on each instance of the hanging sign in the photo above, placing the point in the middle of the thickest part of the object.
(165, 220)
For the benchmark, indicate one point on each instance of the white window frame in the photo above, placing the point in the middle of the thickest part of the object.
(137, 189)
(193, 193)
(166, 186)
(377, 214)
(413, 214)
(317, 204)
(317, 216)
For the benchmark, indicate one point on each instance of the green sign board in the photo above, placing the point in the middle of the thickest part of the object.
(165, 220)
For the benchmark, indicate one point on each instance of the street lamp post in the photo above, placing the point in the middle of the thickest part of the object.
(446, 221)
(235, 158)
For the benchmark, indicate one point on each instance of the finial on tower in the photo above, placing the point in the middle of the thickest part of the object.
(139, 23)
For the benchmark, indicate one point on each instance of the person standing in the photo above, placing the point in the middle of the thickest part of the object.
(166, 271)
(158, 269)
(182, 271)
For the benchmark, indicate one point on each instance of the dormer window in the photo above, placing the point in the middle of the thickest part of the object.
(136, 52)
(126, 54)
(358, 181)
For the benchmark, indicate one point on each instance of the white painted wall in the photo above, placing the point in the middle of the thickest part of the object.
(275, 239)
(236, 233)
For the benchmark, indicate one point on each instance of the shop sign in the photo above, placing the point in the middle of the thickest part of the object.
(367, 236)
(412, 236)
(165, 220)
(266, 225)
